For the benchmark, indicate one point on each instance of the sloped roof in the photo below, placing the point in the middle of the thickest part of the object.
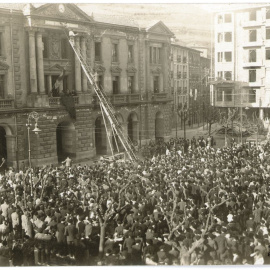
(114, 19)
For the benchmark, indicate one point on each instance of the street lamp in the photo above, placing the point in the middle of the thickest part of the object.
(35, 116)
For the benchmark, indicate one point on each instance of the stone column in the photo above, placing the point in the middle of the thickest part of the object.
(84, 78)
(78, 74)
(40, 66)
(165, 68)
(32, 62)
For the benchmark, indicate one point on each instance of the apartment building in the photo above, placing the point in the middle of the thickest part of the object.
(190, 76)
(132, 67)
(242, 59)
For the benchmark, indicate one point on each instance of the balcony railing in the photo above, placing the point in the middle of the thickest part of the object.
(56, 101)
(160, 97)
(6, 103)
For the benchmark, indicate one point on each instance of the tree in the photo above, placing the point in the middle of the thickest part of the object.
(226, 119)
(170, 217)
(106, 208)
(212, 115)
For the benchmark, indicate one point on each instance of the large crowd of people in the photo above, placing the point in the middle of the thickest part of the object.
(186, 203)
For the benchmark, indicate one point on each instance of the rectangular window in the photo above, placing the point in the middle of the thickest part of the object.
(267, 54)
(219, 95)
(267, 34)
(220, 56)
(220, 74)
(228, 95)
(220, 37)
(64, 48)
(156, 84)
(228, 75)
(252, 56)
(267, 15)
(252, 96)
(131, 84)
(97, 51)
(184, 59)
(115, 85)
(252, 35)
(228, 18)
(220, 19)
(253, 15)
(115, 52)
(179, 75)
(100, 81)
(184, 75)
(45, 47)
(130, 54)
(228, 36)
(252, 75)
(228, 56)
(2, 86)
(179, 58)
(155, 55)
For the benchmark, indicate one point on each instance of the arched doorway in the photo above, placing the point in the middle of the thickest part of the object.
(3, 143)
(133, 127)
(116, 143)
(159, 126)
(65, 140)
(100, 137)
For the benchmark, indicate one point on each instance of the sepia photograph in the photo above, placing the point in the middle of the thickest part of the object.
(134, 134)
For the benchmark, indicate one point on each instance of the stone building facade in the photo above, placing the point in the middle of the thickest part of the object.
(189, 81)
(132, 67)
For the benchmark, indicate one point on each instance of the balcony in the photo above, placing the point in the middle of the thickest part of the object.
(252, 64)
(251, 23)
(253, 44)
(6, 103)
(159, 97)
(56, 101)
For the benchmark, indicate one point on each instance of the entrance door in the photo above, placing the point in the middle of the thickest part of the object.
(100, 137)
(66, 141)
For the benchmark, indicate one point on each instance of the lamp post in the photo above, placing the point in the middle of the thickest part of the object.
(35, 116)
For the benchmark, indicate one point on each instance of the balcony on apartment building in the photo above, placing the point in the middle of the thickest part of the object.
(256, 63)
(255, 23)
(257, 43)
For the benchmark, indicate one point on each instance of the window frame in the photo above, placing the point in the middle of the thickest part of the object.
(115, 52)
(225, 75)
(156, 78)
(226, 34)
(252, 57)
(229, 53)
(97, 57)
(227, 18)
(250, 75)
(252, 97)
(250, 35)
(116, 91)
(3, 87)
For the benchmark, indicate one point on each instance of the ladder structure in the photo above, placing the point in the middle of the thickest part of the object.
(105, 106)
